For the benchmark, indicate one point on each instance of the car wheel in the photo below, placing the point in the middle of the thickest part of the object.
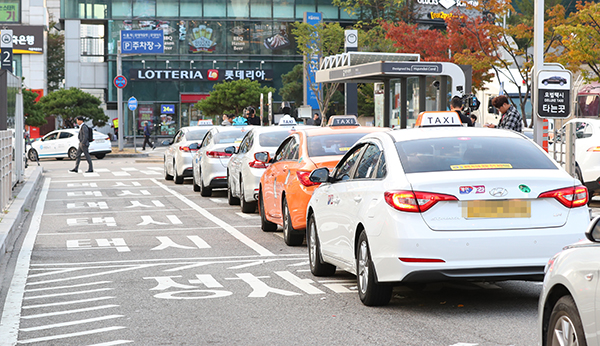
(204, 190)
(290, 236)
(72, 153)
(167, 175)
(100, 156)
(32, 155)
(176, 177)
(247, 207)
(545, 82)
(370, 292)
(230, 199)
(565, 326)
(195, 184)
(265, 225)
(317, 266)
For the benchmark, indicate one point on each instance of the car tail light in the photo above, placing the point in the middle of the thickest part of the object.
(415, 201)
(570, 197)
(186, 149)
(303, 178)
(421, 260)
(257, 164)
(217, 154)
(594, 149)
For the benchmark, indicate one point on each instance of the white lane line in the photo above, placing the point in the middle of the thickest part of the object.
(11, 316)
(70, 286)
(227, 227)
(64, 336)
(116, 342)
(68, 293)
(70, 323)
(67, 312)
(36, 306)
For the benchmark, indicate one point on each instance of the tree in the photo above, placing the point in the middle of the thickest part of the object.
(315, 42)
(34, 116)
(56, 58)
(293, 88)
(366, 101)
(71, 103)
(233, 97)
(581, 38)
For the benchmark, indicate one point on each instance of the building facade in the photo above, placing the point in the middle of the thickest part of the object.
(205, 42)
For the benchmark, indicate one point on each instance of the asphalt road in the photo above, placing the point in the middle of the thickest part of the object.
(121, 256)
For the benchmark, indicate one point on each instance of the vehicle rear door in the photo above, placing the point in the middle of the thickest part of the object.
(65, 141)
(272, 186)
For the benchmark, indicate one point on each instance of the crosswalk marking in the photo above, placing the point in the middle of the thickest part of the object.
(69, 293)
(67, 303)
(70, 335)
(66, 312)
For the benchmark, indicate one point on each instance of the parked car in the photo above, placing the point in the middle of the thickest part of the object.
(63, 143)
(569, 306)
(284, 187)
(209, 164)
(440, 204)
(178, 156)
(244, 171)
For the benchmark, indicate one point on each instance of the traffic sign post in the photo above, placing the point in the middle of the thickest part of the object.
(554, 94)
(6, 45)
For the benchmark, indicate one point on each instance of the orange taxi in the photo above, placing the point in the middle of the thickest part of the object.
(285, 189)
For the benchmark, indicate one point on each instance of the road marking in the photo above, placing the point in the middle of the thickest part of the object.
(129, 169)
(11, 316)
(70, 323)
(102, 170)
(121, 174)
(94, 174)
(67, 312)
(67, 303)
(227, 227)
(69, 293)
(112, 343)
(70, 335)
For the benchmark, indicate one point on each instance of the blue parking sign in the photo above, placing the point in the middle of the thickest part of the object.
(142, 42)
(132, 103)
(167, 109)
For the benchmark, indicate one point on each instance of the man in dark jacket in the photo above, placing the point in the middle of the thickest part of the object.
(84, 143)
(251, 116)
(456, 105)
(147, 134)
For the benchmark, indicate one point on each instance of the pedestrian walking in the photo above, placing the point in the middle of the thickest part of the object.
(147, 134)
(511, 118)
(84, 143)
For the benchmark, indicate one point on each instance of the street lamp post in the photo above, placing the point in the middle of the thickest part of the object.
(191, 63)
(214, 62)
(167, 63)
(238, 64)
(261, 63)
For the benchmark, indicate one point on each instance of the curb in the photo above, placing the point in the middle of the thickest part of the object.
(9, 225)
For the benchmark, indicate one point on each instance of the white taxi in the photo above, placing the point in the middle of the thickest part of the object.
(442, 203)
(64, 143)
(178, 156)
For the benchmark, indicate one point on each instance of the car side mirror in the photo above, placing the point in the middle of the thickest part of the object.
(194, 146)
(319, 175)
(230, 150)
(593, 232)
(262, 156)
(166, 142)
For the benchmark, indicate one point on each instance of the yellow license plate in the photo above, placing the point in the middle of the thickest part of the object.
(496, 209)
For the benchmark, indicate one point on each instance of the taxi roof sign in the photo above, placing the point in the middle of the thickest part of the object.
(205, 122)
(343, 120)
(287, 120)
(438, 119)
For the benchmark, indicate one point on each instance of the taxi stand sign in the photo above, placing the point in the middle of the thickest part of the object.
(554, 93)
(438, 119)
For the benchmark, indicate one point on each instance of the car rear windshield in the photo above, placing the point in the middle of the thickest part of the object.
(230, 136)
(272, 139)
(332, 144)
(196, 135)
(470, 153)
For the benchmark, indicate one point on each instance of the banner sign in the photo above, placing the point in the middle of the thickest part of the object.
(199, 75)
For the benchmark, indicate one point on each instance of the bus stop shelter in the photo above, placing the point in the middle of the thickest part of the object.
(362, 67)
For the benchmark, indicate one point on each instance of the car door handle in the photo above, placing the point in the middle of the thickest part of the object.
(357, 199)
(336, 201)
(589, 277)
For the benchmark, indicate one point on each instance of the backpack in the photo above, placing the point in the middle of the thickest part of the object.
(90, 134)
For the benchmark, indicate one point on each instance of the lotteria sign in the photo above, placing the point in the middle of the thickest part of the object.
(198, 75)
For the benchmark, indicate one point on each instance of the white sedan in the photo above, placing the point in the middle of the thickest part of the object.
(568, 306)
(179, 154)
(435, 204)
(64, 143)
(244, 172)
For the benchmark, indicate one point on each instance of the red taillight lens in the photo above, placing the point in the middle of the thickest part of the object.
(415, 201)
(184, 149)
(594, 149)
(570, 197)
(421, 260)
(217, 154)
(303, 178)
(257, 164)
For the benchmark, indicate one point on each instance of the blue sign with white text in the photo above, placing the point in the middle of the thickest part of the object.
(167, 109)
(132, 103)
(313, 18)
(142, 42)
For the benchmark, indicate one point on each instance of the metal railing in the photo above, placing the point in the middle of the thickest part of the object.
(6, 168)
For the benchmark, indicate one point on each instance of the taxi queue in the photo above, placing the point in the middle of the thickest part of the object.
(437, 202)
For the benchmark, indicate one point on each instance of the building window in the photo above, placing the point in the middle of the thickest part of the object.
(144, 8)
(214, 9)
(283, 8)
(193, 8)
(260, 9)
(329, 11)
(237, 8)
(122, 9)
(168, 8)
(92, 43)
(305, 6)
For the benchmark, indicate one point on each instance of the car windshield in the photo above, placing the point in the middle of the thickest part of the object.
(470, 153)
(230, 136)
(196, 135)
(272, 139)
(332, 144)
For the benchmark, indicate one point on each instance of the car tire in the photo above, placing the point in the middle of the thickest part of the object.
(265, 225)
(204, 190)
(176, 177)
(317, 266)
(370, 292)
(247, 207)
(290, 235)
(100, 156)
(565, 318)
(32, 155)
(72, 153)
(230, 199)
(167, 175)
(195, 184)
